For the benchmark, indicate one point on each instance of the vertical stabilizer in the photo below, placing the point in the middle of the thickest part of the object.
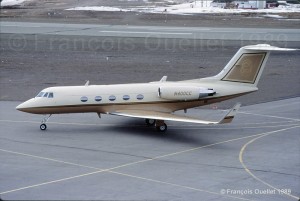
(247, 65)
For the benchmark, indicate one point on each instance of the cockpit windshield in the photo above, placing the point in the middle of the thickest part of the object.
(40, 94)
(45, 94)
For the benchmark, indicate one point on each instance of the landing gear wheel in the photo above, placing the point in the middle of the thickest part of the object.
(162, 128)
(150, 122)
(43, 127)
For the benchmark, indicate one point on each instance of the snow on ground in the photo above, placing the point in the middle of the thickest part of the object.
(98, 8)
(11, 2)
(188, 9)
(273, 16)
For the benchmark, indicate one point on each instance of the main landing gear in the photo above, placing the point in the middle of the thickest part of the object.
(43, 126)
(150, 122)
(159, 124)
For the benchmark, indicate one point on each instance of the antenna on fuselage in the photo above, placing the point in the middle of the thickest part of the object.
(163, 79)
(87, 83)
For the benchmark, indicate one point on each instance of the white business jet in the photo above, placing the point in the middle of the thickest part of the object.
(157, 101)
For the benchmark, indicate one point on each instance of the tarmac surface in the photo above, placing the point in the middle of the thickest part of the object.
(81, 157)
(196, 33)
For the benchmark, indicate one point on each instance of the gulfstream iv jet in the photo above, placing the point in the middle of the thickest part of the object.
(156, 102)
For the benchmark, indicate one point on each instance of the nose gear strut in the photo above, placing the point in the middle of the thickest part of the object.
(43, 126)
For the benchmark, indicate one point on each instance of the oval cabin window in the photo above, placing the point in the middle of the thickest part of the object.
(112, 98)
(84, 99)
(98, 98)
(126, 97)
(140, 97)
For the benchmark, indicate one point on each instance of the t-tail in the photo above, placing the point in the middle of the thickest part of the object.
(247, 65)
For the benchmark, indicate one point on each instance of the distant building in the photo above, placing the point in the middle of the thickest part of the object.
(247, 4)
(241, 4)
(261, 4)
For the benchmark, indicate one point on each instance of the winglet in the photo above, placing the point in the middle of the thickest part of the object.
(230, 115)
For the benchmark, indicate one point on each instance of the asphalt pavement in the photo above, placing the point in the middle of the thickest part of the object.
(203, 33)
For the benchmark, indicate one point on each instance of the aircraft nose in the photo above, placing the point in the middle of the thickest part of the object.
(21, 107)
(25, 106)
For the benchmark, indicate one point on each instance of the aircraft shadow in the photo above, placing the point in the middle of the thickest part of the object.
(135, 127)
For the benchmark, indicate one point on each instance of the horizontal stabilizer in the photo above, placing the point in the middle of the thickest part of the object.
(172, 117)
(267, 47)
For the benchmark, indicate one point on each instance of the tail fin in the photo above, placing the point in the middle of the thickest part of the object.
(247, 65)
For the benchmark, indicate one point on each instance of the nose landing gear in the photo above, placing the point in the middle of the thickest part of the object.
(43, 126)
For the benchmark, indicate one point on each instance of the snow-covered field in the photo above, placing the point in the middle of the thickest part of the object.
(11, 2)
(187, 9)
(99, 8)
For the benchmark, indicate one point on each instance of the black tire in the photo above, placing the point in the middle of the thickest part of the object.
(150, 122)
(43, 127)
(162, 128)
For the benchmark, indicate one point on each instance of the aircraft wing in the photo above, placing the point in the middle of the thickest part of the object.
(173, 117)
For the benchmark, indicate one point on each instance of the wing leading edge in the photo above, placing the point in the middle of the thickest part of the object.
(172, 117)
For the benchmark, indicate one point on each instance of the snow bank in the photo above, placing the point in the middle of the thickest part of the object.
(97, 8)
(188, 9)
(11, 2)
(273, 16)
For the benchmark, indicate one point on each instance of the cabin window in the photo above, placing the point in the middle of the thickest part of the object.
(84, 99)
(50, 95)
(126, 97)
(40, 94)
(140, 97)
(98, 98)
(112, 98)
(46, 95)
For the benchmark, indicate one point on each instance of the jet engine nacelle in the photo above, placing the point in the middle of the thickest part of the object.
(184, 92)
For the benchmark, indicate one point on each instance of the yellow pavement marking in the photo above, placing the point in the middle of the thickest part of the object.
(49, 159)
(65, 123)
(233, 128)
(242, 151)
(176, 185)
(50, 182)
(272, 116)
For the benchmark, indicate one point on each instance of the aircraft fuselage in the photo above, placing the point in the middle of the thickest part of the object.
(109, 98)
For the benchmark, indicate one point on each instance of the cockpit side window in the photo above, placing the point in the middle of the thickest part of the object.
(50, 95)
(40, 94)
(46, 94)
